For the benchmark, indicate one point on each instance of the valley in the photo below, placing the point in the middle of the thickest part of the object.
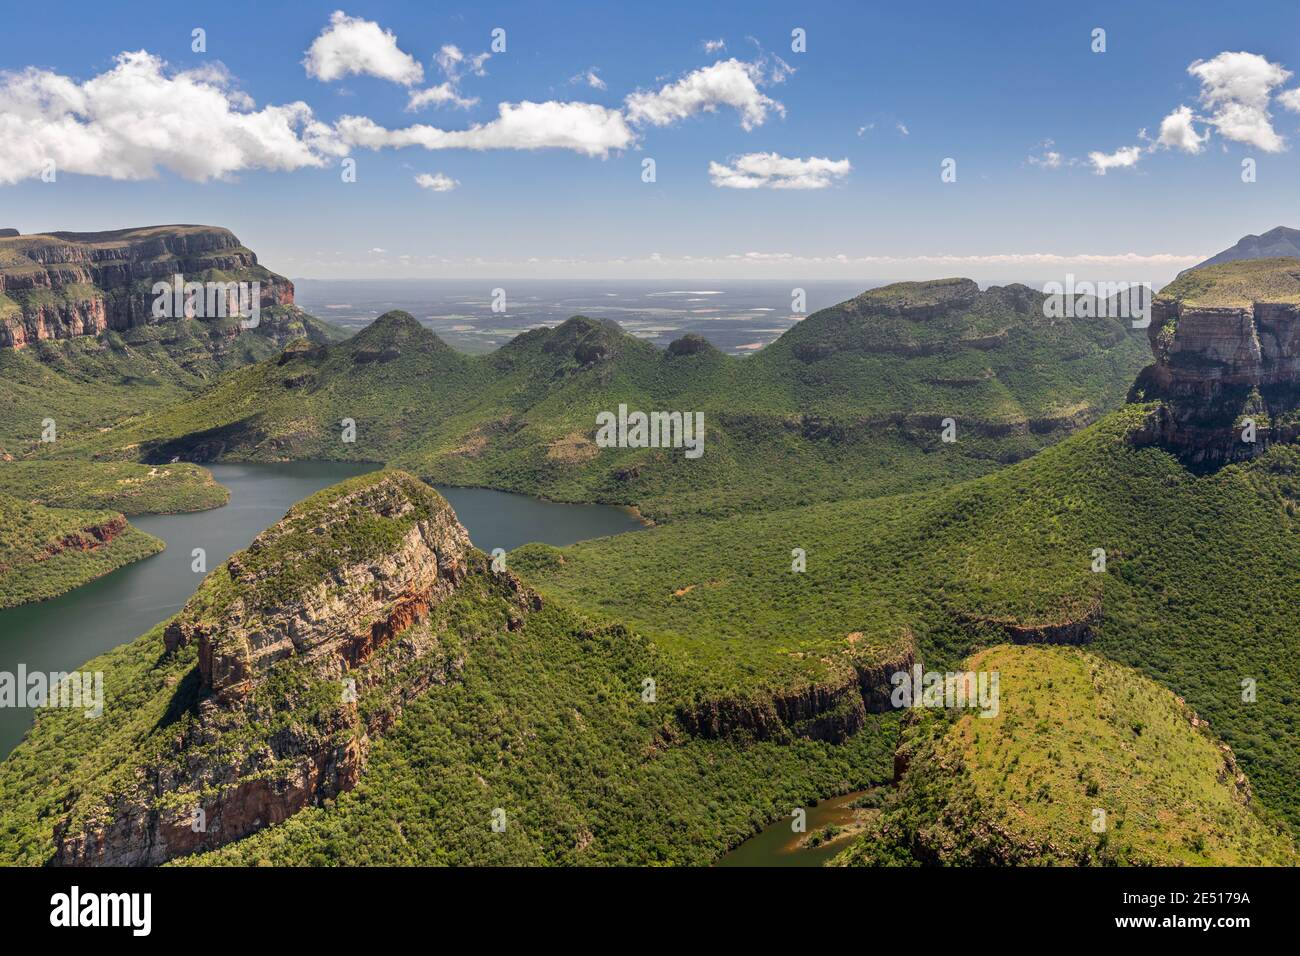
(922, 476)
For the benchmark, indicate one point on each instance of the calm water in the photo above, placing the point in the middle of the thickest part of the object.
(777, 845)
(62, 634)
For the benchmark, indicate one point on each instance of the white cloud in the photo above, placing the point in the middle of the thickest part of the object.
(140, 117)
(1290, 100)
(444, 94)
(1177, 132)
(726, 83)
(902, 128)
(591, 77)
(867, 128)
(353, 45)
(1124, 157)
(773, 171)
(1049, 158)
(715, 46)
(1236, 87)
(438, 182)
(455, 64)
(585, 128)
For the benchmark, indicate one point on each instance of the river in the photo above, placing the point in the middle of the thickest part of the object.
(778, 845)
(64, 633)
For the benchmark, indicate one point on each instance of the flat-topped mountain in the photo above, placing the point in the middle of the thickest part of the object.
(60, 285)
(1226, 340)
(1277, 242)
(84, 338)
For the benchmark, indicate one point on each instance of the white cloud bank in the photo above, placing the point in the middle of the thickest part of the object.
(584, 128)
(732, 83)
(351, 45)
(773, 171)
(140, 117)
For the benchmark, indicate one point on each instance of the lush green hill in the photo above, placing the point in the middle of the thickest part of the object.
(856, 395)
(1086, 762)
(47, 551)
(1201, 579)
(117, 485)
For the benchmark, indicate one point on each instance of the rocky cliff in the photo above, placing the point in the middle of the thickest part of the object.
(63, 284)
(302, 649)
(1226, 342)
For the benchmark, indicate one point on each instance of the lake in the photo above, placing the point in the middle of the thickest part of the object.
(64, 633)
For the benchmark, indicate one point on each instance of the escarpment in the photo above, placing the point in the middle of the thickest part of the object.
(1226, 341)
(65, 285)
(832, 709)
(286, 664)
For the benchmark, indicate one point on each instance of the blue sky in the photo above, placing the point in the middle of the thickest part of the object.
(882, 95)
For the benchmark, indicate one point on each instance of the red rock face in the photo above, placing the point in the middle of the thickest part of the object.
(118, 270)
(328, 631)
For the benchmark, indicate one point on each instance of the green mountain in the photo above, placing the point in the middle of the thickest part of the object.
(858, 395)
(81, 340)
(1086, 763)
(47, 551)
(1277, 242)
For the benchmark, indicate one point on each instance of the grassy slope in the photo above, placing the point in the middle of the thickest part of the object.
(1203, 575)
(120, 486)
(860, 420)
(1237, 284)
(45, 552)
(1075, 733)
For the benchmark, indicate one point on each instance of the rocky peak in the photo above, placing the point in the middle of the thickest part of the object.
(306, 645)
(1277, 242)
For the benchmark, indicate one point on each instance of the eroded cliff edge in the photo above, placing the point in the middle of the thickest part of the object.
(302, 649)
(1226, 342)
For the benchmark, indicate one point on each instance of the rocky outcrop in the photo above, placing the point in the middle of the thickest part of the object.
(308, 645)
(1078, 627)
(1227, 364)
(67, 285)
(832, 709)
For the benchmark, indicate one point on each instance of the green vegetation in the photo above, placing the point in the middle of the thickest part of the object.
(120, 486)
(1237, 284)
(855, 395)
(1202, 578)
(1076, 736)
(47, 551)
(63, 287)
